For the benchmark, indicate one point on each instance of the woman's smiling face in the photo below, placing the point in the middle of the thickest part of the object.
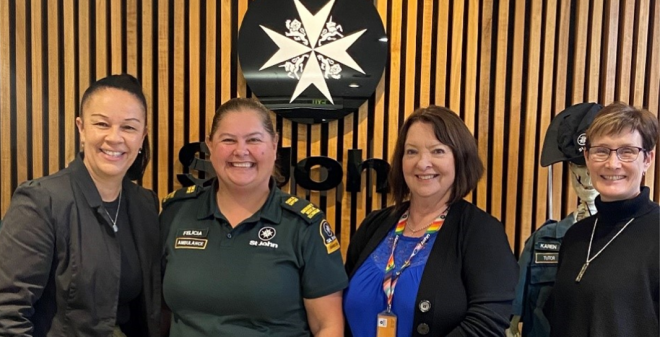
(112, 128)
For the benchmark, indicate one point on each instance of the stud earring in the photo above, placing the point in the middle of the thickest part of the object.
(139, 151)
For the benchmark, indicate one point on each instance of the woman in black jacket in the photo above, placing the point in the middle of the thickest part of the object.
(79, 249)
(433, 264)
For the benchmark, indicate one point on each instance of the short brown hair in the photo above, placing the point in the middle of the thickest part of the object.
(619, 117)
(450, 130)
(239, 104)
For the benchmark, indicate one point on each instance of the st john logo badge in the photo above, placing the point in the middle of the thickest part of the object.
(312, 59)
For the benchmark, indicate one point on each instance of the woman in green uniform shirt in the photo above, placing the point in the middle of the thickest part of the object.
(241, 257)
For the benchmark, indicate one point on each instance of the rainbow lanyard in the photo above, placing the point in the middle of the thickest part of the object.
(391, 277)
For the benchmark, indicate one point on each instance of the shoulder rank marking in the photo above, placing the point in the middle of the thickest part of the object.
(183, 193)
(302, 207)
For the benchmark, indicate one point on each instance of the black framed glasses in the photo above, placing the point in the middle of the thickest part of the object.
(625, 153)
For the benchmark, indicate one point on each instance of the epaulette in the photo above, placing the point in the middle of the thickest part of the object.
(182, 194)
(302, 208)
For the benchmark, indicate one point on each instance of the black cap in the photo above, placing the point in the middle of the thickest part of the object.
(566, 137)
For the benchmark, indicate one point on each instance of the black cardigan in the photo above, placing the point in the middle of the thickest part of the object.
(469, 278)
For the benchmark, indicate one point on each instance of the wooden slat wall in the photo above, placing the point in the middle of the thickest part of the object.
(505, 66)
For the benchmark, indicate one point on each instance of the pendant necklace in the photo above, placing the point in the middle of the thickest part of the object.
(114, 221)
(586, 264)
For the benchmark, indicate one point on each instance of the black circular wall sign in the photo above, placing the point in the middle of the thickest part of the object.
(312, 60)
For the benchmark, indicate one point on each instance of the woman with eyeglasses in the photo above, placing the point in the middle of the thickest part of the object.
(608, 279)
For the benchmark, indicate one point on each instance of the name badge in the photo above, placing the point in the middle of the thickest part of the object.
(191, 238)
(386, 324)
(188, 243)
(193, 233)
(547, 246)
(546, 258)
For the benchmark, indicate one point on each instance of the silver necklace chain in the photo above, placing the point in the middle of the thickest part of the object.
(593, 231)
(114, 221)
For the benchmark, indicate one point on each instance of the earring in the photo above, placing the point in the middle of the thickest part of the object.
(139, 151)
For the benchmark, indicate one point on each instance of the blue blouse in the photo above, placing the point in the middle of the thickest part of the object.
(364, 298)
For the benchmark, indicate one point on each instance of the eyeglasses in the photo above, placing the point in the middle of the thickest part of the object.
(625, 154)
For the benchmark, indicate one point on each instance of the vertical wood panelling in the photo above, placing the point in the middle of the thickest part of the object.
(193, 88)
(37, 82)
(531, 119)
(241, 85)
(471, 55)
(639, 62)
(653, 94)
(410, 51)
(178, 83)
(116, 45)
(622, 91)
(70, 81)
(146, 65)
(442, 51)
(596, 33)
(456, 56)
(394, 34)
(132, 43)
(507, 67)
(5, 106)
(611, 32)
(83, 52)
(54, 91)
(425, 66)
(162, 86)
(101, 38)
(315, 151)
(210, 64)
(483, 127)
(225, 51)
(549, 55)
(21, 90)
(497, 164)
(562, 96)
(514, 118)
(346, 198)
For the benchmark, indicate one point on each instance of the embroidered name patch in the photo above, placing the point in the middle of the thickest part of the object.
(193, 233)
(190, 243)
(546, 257)
(191, 238)
(547, 246)
(329, 238)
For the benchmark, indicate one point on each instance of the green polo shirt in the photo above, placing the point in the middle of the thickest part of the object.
(249, 280)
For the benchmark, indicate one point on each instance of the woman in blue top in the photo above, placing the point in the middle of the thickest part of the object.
(436, 263)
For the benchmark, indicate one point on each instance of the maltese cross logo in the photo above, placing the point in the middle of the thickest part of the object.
(267, 233)
(314, 50)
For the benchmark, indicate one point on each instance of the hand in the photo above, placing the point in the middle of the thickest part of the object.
(513, 331)
(509, 333)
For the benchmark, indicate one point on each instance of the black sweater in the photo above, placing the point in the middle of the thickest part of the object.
(469, 277)
(618, 293)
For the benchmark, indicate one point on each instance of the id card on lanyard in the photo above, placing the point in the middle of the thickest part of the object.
(386, 322)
